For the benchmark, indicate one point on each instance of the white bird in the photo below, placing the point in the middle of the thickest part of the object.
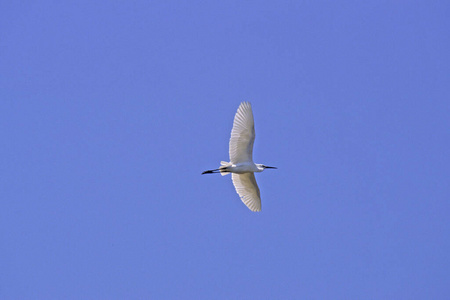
(241, 163)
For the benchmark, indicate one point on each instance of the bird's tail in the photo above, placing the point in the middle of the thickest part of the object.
(223, 166)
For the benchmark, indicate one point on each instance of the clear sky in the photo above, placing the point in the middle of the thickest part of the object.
(110, 111)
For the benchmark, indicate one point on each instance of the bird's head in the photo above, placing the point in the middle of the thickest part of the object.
(263, 167)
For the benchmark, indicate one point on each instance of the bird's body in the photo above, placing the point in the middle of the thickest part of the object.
(241, 163)
(241, 168)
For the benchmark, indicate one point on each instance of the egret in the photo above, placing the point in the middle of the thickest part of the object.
(241, 165)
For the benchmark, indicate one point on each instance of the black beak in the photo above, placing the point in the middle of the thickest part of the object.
(271, 167)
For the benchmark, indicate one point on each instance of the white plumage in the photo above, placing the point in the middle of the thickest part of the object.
(242, 135)
(248, 190)
(241, 163)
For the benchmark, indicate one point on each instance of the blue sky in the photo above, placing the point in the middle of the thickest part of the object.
(110, 111)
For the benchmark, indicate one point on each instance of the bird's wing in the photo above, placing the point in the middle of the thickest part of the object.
(242, 135)
(247, 189)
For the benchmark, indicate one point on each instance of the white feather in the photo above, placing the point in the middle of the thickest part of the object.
(247, 189)
(242, 135)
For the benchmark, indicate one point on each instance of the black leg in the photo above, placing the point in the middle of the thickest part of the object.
(211, 171)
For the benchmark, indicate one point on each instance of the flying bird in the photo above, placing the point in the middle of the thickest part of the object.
(241, 165)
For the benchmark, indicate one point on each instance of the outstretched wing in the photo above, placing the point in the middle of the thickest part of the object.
(247, 189)
(242, 135)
